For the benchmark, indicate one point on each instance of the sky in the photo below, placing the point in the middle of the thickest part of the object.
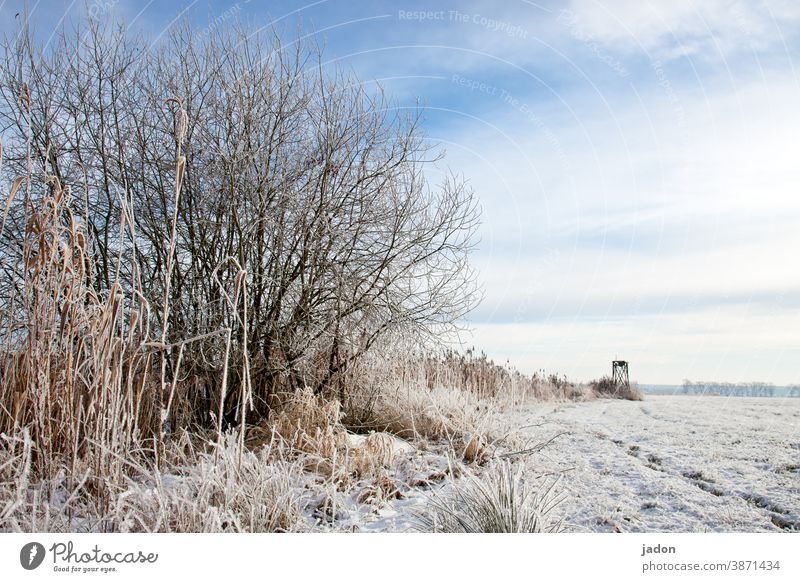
(636, 163)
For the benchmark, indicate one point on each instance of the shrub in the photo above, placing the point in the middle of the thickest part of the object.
(606, 387)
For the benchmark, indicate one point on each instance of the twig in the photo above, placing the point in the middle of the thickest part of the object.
(535, 449)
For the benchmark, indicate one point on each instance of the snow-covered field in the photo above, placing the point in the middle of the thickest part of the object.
(672, 463)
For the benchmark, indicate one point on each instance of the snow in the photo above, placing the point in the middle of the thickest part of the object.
(390, 503)
(397, 445)
(671, 463)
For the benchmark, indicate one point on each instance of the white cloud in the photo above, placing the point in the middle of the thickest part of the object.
(681, 27)
(729, 160)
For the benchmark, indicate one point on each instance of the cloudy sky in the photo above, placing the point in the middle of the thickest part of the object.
(637, 163)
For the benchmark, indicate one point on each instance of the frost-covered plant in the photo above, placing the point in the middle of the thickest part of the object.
(57, 504)
(225, 490)
(499, 501)
(608, 388)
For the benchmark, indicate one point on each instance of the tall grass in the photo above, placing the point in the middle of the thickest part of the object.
(444, 396)
(481, 376)
(87, 378)
(76, 372)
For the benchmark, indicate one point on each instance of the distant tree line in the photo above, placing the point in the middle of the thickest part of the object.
(730, 388)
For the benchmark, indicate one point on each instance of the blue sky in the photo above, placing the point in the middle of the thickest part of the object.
(637, 164)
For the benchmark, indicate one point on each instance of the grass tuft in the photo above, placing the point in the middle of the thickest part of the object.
(499, 501)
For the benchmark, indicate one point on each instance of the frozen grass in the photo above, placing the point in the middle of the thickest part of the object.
(74, 373)
(215, 491)
(44, 505)
(309, 429)
(501, 500)
(219, 491)
(461, 400)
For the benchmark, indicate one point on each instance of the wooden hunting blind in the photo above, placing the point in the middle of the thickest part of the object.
(619, 373)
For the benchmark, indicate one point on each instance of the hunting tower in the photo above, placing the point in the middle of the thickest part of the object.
(619, 373)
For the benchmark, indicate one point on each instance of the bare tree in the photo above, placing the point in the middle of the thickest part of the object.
(305, 222)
